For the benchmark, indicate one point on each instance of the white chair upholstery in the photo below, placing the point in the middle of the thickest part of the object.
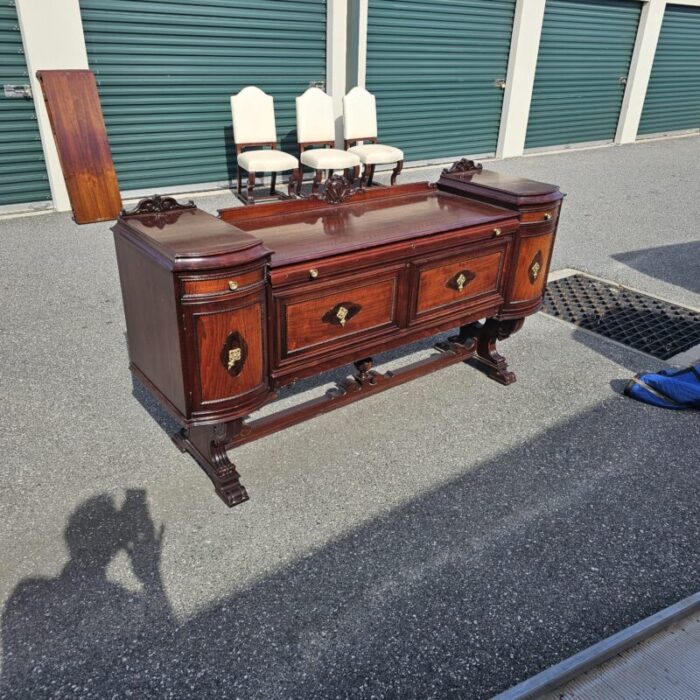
(272, 161)
(253, 116)
(315, 120)
(329, 159)
(376, 154)
(359, 115)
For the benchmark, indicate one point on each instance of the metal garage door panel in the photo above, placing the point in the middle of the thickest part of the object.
(586, 46)
(23, 177)
(166, 70)
(432, 67)
(672, 101)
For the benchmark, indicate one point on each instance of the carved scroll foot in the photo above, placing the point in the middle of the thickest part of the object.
(365, 375)
(207, 444)
(487, 357)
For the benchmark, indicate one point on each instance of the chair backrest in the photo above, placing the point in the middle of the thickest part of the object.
(253, 114)
(359, 115)
(315, 120)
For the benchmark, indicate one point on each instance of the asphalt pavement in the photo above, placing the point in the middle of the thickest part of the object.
(447, 538)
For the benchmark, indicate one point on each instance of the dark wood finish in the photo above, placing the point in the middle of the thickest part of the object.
(78, 127)
(223, 312)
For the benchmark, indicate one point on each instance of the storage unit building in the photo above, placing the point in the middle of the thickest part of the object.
(672, 102)
(166, 70)
(433, 67)
(23, 177)
(584, 57)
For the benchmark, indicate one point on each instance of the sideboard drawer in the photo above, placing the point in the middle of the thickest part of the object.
(446, 282)
(323, 314)
(233, 282)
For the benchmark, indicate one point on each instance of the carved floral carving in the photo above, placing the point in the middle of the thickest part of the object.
(337, 189)
(463, 165)
(157, 204)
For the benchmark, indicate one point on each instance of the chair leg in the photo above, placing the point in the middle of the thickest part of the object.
(273, 183)
(317, 181)
(250, 198)
(356, 174)
(240, 179)
(293, 182)
(365, 173)
(395, 172)
(300, 179)
(370, 175)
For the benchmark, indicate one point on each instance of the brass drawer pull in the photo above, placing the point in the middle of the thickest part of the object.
(547, 216)
(497, 232)
(313, 273)
(233, 285)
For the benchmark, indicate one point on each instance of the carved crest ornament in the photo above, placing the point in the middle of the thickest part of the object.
(337, 189)
(157, 204)
(464, 165)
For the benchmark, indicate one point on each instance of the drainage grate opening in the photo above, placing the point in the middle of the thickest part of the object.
(636, 320)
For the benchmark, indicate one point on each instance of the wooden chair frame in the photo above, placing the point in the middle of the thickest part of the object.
(368, 170)
(293, 184)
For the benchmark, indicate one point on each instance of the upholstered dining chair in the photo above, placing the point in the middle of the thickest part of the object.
(253, 114)
(316, 127)
(360, 124)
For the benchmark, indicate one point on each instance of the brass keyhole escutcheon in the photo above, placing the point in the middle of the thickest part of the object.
(233, 285)
(342, 315)
(234, 355)
(535, 269)
(313, 273)
(461, 281)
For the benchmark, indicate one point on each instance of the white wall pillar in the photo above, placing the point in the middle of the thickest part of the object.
(336, 57)
(522, 63)
(52, 35)
(640, 70)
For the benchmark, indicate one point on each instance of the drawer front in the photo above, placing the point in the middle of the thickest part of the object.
(458, 280)
(228, 351)
(540, 217)
(337, 311)
(531, 267)
(227, 284)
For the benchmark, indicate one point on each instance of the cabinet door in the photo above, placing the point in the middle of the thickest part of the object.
(450, 283)
(229, 351)
(531, 267)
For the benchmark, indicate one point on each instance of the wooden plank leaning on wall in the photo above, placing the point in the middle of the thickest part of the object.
(73, 105)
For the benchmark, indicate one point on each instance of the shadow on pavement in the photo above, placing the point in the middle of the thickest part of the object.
(677, 264)
(462, 592)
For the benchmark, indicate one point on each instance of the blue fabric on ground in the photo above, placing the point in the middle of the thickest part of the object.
(669, 388)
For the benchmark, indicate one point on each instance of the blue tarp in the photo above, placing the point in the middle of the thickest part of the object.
(670, 388)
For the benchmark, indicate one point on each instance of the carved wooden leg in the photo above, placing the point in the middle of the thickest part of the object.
(356, 174)
(365, 173)
(370, 175)
(240, 179)
(395, 172)
(294, 182)
(317, 181)
(273, 183)
(250, 197)
(300, 178)
(364, 374)
(486, 335)
(207, 444)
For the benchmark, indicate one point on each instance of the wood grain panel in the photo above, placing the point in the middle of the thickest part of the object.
(222, 284)
(315, 320)
(211, 333)
(437, 284)
(79, 130)
(525, 288)
(536, 217)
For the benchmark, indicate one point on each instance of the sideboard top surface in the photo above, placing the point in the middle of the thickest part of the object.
(323, 230)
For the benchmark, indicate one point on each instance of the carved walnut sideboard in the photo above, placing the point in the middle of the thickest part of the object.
(222, 312)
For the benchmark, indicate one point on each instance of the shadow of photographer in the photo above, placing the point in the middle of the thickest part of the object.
(57, 631)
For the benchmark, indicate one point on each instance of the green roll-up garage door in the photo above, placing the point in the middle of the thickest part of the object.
(23, 177)
(586, 47)
(166, 70)
(672, 101)
(432, 67)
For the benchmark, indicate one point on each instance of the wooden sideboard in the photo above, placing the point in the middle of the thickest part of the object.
(222, 312)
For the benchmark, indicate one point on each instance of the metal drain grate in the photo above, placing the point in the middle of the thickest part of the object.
(637, 320)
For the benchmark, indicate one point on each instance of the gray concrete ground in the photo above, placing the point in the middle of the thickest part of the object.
(447, 538)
